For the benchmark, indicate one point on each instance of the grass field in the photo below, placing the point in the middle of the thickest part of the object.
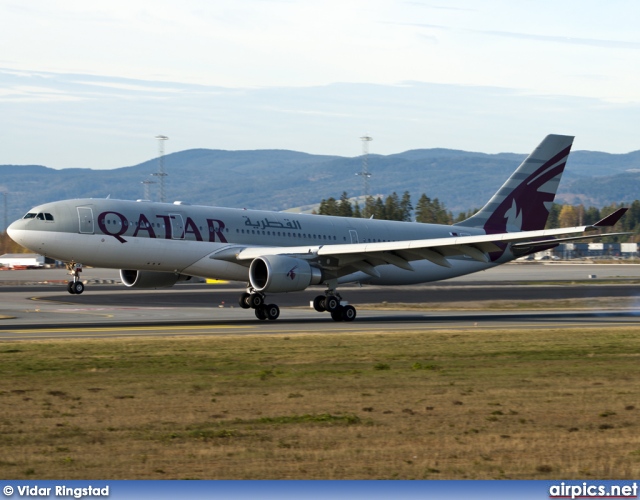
(402, 405)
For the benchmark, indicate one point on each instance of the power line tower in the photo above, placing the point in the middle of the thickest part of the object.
(365, 164)
(147, 183)
(5, 194)
(161, 173)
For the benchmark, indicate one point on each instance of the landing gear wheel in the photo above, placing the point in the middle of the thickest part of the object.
(273, 311)
(77, 287)
(331, 303)
(244, 300)
(318, 303)
(336, 314)
(256, 300)
(261, 313)
(348, 313)
(70, 288)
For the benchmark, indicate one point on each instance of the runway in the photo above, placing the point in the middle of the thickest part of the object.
(37, 309)
(304, 323)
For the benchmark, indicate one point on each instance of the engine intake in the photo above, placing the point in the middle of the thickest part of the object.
(150, 279)
(280, 273)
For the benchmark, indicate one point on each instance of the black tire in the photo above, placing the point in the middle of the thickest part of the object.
(261, 313)
(70, 288)
(318, 303)
(336, 315)
(78, 287)
(331, 303)
(348, 313)
(273, 311)
(244, 300)
(256, 300)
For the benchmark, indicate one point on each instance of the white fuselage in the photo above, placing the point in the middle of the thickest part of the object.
(190, 240)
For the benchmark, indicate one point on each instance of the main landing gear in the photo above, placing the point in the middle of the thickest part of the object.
(75, 287)
(255, 300)
(331, 303)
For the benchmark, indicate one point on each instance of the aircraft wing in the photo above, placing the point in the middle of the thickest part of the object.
(366, 256)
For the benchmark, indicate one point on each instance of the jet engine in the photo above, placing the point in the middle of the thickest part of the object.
(280, 273)
(150, 279)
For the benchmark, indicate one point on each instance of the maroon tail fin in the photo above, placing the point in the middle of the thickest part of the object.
(524, 201)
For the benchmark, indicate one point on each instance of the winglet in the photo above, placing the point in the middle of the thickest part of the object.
(611, 219)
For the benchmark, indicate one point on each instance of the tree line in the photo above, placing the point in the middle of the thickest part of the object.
(579, 215)
(393, 207)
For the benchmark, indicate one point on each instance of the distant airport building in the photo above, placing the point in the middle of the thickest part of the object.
(568, 251)
(25, 261)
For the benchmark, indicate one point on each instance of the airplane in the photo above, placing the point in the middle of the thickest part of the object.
(160, 244)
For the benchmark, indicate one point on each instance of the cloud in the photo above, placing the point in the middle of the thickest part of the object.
(591, 42)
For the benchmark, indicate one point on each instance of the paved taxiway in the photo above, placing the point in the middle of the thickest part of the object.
(35, 305)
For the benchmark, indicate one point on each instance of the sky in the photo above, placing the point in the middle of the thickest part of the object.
(91, 84)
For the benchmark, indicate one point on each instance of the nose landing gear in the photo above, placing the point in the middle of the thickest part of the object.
(75, 287)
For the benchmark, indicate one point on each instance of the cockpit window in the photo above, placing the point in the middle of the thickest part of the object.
(40, 216)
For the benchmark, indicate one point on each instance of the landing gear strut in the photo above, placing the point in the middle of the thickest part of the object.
(255, 300)
(75, 287)
(331, 302)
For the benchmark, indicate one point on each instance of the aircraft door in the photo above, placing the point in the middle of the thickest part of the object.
(354, 235)
(85, 218)
(177, 227)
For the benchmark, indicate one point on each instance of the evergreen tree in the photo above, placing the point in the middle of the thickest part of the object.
(328, 207)
(392, 207)
(369, 207)
(379, 209)
(591, 216)
(344, 207)
(405, 207)
(423, 209)
(440, 214)
(554, 215)
(465, 215)
(356, 210)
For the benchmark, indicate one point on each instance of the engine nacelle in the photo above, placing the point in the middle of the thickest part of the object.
(279, 273)
(150, 279)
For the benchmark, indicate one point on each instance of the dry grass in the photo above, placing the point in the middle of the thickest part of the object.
(479, 404)
(594, 303)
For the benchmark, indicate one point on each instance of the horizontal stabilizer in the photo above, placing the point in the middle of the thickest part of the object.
(611, 219)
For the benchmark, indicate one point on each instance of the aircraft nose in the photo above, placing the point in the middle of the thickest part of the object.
(15, 229)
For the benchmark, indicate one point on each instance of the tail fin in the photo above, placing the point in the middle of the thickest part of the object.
(524, 201)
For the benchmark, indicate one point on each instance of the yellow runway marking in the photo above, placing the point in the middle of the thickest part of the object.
(84, 329)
